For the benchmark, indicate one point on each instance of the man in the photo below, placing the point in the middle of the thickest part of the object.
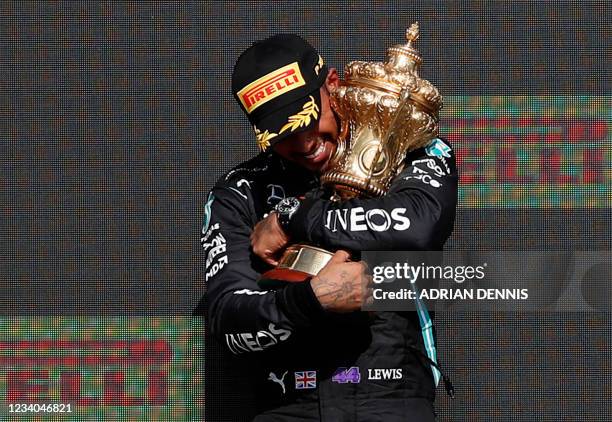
(297, 337)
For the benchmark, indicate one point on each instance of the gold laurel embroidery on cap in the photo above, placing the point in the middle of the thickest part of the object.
(319, 65)
(263, 139)
(310, 109)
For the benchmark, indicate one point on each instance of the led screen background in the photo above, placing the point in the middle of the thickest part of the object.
(107, 368)
(117, 118)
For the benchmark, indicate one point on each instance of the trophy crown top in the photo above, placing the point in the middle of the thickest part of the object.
(405, 57)
(412, 33)
(398, 73)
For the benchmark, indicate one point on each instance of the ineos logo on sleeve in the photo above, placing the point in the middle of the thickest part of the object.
(376, 219)
(255, 342)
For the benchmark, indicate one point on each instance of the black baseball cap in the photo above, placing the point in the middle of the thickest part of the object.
(276, 82)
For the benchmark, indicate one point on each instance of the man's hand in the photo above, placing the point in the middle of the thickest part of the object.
(268, 239)
(342, 285)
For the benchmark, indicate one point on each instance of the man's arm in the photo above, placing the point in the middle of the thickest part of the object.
(417, 213)
(247, 318)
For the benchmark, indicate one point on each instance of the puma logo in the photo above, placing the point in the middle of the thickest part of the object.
(272, 377)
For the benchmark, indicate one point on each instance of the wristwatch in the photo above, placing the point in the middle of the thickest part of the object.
(285, 209)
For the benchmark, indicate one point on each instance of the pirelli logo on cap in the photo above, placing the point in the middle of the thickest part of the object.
(270, 86)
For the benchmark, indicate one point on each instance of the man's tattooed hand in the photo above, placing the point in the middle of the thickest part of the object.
(342, 285)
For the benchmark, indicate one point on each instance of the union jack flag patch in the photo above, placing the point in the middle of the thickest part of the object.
(305, 380)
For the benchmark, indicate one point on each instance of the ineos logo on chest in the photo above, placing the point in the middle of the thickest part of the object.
(376, 219)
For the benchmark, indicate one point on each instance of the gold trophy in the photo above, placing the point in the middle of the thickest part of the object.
(386, 110)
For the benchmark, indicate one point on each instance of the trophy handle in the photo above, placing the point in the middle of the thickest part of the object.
(299, 262)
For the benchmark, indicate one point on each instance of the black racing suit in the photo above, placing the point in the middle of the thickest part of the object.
(294, 346)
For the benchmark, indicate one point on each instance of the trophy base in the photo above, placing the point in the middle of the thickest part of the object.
(299, 262)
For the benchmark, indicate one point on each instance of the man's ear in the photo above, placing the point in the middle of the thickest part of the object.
(332, 80)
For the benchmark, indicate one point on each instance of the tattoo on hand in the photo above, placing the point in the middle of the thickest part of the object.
(333, 293)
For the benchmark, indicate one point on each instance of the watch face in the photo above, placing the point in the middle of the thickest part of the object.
(287, 205)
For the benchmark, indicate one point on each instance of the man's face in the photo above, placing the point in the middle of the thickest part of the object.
(313, 148)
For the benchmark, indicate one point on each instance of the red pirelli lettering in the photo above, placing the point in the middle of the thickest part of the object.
(258, 91)
(33, 384)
